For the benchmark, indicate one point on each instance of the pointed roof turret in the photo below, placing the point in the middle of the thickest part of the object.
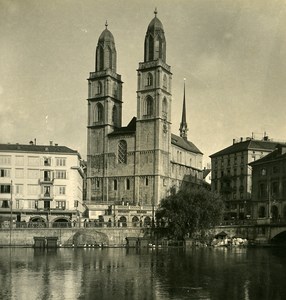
(106, 35)
(155, 42)
(105, 51)
(184, 126)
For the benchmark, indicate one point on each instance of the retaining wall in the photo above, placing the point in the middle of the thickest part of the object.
(69, 236)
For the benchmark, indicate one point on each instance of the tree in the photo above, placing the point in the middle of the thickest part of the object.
(189, 211)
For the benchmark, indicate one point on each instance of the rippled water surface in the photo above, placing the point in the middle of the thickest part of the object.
(146, 274)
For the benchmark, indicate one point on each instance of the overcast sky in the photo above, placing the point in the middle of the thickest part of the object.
(232, 54)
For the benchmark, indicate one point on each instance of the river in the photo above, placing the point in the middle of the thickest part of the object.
(118, 273)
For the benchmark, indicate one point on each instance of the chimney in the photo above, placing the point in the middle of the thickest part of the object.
(241, 139)
(51, 143)
(35, 141)
(233, 141)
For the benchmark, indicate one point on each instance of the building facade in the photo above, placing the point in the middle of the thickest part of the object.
(136, 165)
(269, 186)
(40, 184)
(232, 176)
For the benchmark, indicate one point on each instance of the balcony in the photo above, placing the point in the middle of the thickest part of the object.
(46, 196)
(46, 180)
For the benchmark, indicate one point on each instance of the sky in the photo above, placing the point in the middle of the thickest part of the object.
(232, 54)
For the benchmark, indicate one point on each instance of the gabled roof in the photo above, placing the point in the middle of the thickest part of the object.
(246, 146)
(36, 148)
(184, 144)
(129, 129)
(175, 140)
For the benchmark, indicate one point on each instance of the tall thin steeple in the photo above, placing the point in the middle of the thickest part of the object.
(184, 126)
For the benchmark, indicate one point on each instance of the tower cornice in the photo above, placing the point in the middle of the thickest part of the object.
(144, 91)
(104, 74)
(154, 64)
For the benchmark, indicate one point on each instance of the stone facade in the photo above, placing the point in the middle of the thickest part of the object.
(140, 163)
(269, 186)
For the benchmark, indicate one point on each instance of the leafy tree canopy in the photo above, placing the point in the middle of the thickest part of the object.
(189, 211)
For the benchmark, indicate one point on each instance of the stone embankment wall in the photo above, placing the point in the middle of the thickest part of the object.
(70, 236)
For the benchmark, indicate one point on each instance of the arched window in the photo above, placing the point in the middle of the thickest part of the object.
(101, 58)
(98, 88)
(149, 79)
(165, 81)
(115, 89)
(135, 221)
(122, 221)
(146, 181)
(127, 184)
(164, 108)
(274, 212)
(99, 113)
(158, 47)
(151, 48)
(147, 221)
(149, 106)
(122, 152)
(109, 58)
(114, 114)
(261, 212)
(115, 184)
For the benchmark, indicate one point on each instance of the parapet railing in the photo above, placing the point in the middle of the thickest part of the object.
(74, 224)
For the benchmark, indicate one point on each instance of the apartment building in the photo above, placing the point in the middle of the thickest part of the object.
(269, 186)
(40, 183)
(232, 176)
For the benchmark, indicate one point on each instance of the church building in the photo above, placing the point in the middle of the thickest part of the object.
(131, 168)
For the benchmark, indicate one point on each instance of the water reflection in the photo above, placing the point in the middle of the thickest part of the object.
(143, 274)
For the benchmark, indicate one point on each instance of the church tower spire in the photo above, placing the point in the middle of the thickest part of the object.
(153, 124)
(105, 86)
(155, 42)
(104, 108)
(105, 51)
(184, 126)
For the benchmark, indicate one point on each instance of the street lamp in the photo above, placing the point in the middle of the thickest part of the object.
(11, 203)
(153, 213)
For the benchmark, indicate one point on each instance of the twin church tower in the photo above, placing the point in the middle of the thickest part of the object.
(139, 163)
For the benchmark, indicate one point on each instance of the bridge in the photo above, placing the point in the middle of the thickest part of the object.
(258, 231)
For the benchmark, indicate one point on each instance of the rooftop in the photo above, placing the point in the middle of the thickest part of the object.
(129, 129)
(278, 154)
(248, 144)
(36, 148)
(184, 144)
